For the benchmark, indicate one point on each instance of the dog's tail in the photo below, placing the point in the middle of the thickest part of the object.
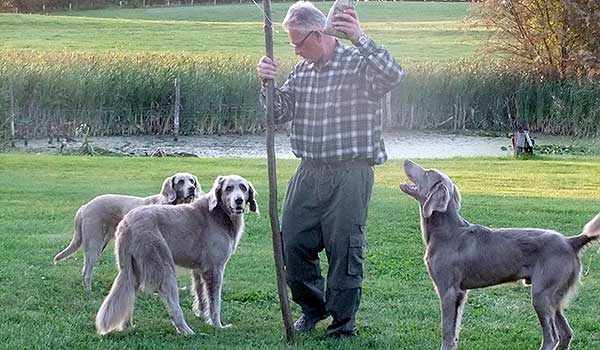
(117, 309)
(591, 232)
(75, 241)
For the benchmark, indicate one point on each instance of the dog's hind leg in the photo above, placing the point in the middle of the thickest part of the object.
(91, 252)
(214, 281)
(565, 333)
(201, 307)
(169, 291)
(546, 313)
(453, 301)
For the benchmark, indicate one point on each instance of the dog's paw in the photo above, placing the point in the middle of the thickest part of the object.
(186, 331)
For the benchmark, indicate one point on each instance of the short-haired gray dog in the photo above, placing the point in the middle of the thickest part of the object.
(461, 256)
(96, 221)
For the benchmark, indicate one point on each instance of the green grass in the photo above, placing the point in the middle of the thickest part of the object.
(45, 307)
(431, 31)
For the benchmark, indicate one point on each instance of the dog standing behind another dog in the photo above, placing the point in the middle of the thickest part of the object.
(200, 236)
(95, 222)
(461, 256)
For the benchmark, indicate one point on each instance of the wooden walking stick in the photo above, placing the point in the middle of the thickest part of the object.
(271, 164)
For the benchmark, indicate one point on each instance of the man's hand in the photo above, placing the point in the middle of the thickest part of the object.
(348, 23)
(267, 69)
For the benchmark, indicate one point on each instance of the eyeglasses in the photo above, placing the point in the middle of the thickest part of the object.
(298, 45)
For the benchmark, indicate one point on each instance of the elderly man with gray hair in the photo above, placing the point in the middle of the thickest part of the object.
(333, 100)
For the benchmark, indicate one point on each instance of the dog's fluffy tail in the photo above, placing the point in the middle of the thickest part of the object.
(591, 232)
(117, 309)
(75, 241)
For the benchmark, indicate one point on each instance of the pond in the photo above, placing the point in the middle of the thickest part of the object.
(399, 145)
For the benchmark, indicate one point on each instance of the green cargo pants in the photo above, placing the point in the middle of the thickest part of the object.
(326, 208)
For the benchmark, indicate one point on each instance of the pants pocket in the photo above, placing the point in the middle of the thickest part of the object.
(356, 252)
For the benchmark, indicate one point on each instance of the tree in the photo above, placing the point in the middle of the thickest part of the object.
(559, 37)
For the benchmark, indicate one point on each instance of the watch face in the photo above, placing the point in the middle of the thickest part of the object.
(362, 40)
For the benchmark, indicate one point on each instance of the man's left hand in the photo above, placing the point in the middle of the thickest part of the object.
(348, 23)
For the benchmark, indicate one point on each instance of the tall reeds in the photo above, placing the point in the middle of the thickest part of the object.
(121, 93)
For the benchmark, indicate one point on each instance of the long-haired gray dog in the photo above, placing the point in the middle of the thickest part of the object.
(95, 222)
(461, 256)
(200, 236)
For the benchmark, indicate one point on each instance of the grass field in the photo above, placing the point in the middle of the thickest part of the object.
(420, 31)
(45, 307)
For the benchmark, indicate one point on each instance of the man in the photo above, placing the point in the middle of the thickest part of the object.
(333, 99)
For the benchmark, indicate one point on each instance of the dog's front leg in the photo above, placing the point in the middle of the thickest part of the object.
(200, 307)
(214, 282)
(452, 300)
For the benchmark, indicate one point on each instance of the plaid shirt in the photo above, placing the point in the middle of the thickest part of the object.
(336, 109)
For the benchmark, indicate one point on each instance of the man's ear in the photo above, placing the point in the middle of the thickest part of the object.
(437, 200)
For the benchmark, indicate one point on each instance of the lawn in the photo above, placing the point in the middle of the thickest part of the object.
(419, 31)
(45, 306)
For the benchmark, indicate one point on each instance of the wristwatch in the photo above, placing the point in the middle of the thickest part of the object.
(362, 40)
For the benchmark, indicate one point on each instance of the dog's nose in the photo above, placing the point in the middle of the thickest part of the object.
(239, 201)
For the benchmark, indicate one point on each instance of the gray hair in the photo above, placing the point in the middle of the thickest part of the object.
(305, 17)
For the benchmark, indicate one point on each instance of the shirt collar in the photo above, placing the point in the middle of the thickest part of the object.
(337, 53)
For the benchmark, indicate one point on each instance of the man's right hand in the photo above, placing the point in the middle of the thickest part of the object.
(267, 69)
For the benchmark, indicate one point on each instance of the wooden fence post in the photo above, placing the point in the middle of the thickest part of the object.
(176, 111)
(12, 117)
(387, 109)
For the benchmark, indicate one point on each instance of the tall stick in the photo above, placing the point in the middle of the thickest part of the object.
(272, 166)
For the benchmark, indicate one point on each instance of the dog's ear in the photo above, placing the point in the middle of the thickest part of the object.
(437, 200)
(252, 194)
(198, 187)
(214, 196)
(456, 196)
(168, 190)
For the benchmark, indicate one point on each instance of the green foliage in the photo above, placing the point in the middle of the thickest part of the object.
(558, 37)
(473, 94)
(573, 150)
(132, 93)
(44, 306)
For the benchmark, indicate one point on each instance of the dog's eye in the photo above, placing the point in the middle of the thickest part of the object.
(180, 182)
(243, 188)
(228, 188)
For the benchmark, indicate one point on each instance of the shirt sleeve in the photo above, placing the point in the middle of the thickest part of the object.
(283, 100)
(382, 70)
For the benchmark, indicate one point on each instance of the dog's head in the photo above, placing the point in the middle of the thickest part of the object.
(232, 192)
(181, 188)
(433, 189)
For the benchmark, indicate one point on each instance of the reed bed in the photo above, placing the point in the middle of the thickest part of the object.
(122, 93)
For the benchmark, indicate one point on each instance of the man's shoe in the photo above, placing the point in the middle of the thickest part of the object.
(304, 324)
(340, 335)
(337, 331)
